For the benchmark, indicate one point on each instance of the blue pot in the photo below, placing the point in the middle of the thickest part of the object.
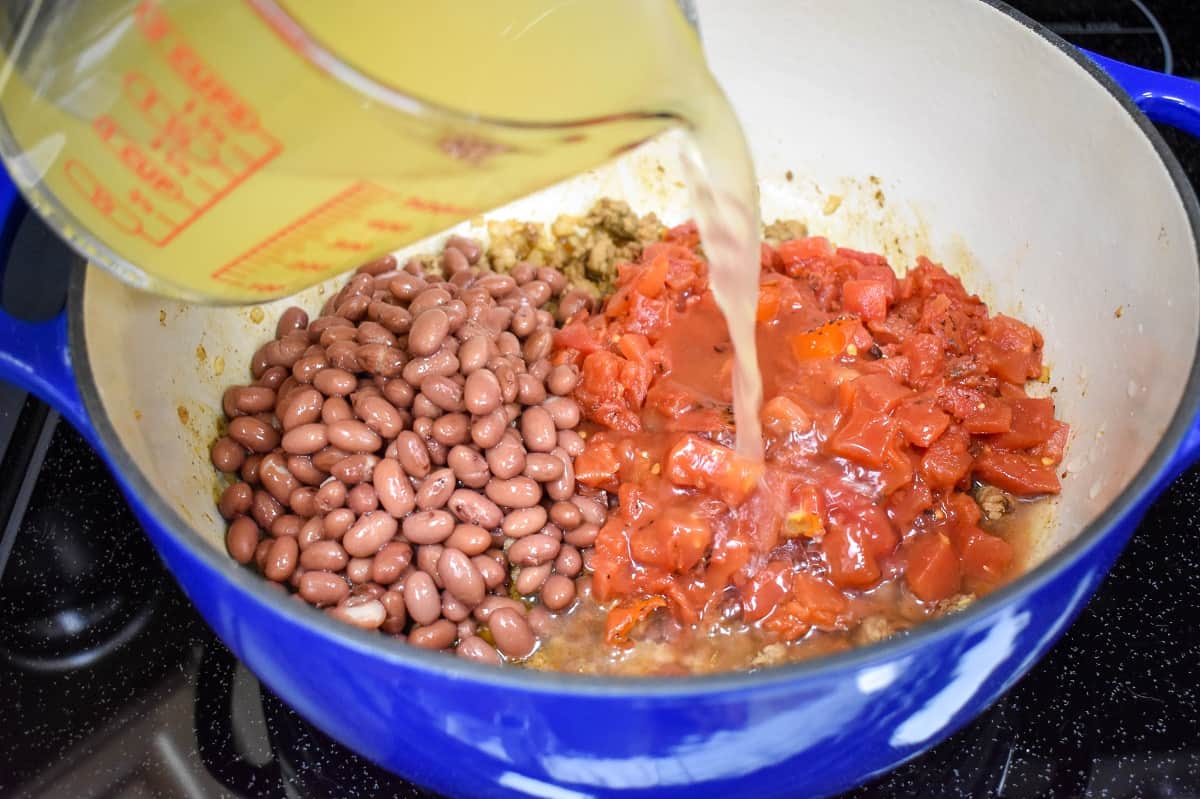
(807, 729)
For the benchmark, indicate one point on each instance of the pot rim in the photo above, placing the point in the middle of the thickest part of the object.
(1141, 489)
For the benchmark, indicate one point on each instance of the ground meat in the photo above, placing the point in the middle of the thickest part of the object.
(872, 629)
(587, 249)
(993, 502)
(954, 604)
(784, 230)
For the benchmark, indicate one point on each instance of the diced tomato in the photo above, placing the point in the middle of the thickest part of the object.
(932, 570)
(880, 271)
(783, 416)
(623, 618)
(826, 341)
(926, 357)
(947, 460)
(765, 590)
(866, 298)
(1018, 474)
(862, 437)
(898, 468)
(768, 258)
(906, 504)
(979, 413)
(797, 251)
(913, 390)
(851, 563)
(597, 465)
(696, 463)
(577, 336)
(1032, 424)
(653, 278)
(676, 541)
(768, 301)
(983, 556)
(921, 422)
(878, 392)
(822, 604)
(1055, 445)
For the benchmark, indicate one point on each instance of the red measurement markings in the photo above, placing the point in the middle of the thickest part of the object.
(183, 137)
(232, 272)
(388, 225)
(435, 207)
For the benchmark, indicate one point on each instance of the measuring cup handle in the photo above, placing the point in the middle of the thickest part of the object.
(1166, 99)
(36, 355)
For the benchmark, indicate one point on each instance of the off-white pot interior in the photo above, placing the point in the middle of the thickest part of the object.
(938, 127)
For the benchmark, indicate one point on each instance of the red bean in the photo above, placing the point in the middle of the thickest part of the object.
(302, 406)
(389, 563)
(393, 602)
(438, 635)
(562, 488)
(538, 430)
(343, 355)
(569, 562)
(470, 539)
(294, 318)
(406, 286)
(362, 498)
(321, 588)
(523, 522)
(427, 557)
(428, 526)
(468, 247)
(253, 434)
(542, 467)
(511, 633)
(421, 598)
(242, 539)
(492, 603)
(265, 509)
(530, 578)
(468, 466)
(429, 329)
(488, 430)
(362, 612)
(558, 592)
(506, 459)
(312, 532)
(370, 533)
(358, 570)
(453, 608)
(436, 489)
(481, 393)
(235, 500)
(334, 382)
(336, 409)
(228, 455)
(350, 435)
(305, 439)
(517, 492)
(474, 354)
(303, 501)
(393, 488)
(325, 556)
(338, 522)
(533, 550)
(281, 559)
(472, 508)
(380, 416)
(563, 379)
(272, 377)
(493, 573)
(330, 496)
(354, 468)
(412, 454)
(380, 359)
(301, 466)
(530, 390)
(476, 649)
(460, 577)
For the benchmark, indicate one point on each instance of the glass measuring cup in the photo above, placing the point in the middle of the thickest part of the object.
(241, 151)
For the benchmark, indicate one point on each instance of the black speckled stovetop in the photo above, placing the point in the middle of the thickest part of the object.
(111, 685)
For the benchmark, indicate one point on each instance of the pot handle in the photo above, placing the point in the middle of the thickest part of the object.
(36, 356)
(1166, 99)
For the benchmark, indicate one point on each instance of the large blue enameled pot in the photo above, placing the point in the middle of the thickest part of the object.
(955, 128)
